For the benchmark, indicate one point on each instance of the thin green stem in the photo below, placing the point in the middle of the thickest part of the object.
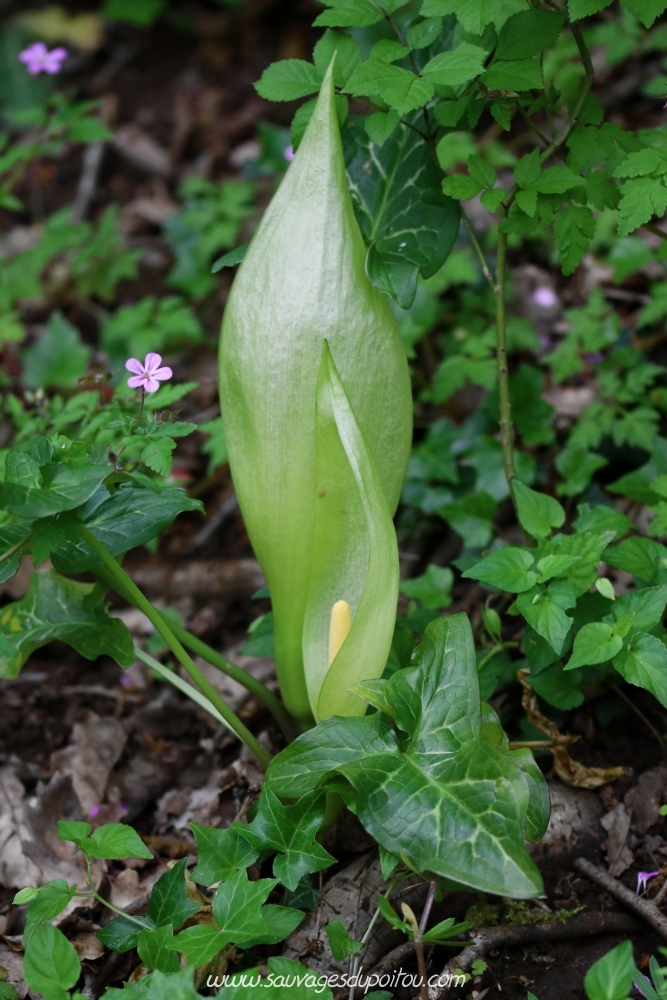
(498, 648)
(656, 232)
(478, 250)
(367, 934)
(172, 678)
(531, 124)
(274, 704)
(127, 586)
(505, 405)
(6, 556)
(141, 410)
(101, 899)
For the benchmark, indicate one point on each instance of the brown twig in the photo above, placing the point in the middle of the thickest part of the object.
(646, 908)
(486, 939)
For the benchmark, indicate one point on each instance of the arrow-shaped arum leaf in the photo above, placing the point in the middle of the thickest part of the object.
(354, 567)
(303, 281)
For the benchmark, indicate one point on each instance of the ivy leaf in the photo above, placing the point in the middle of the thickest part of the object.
(507, 569)
(456, 67)
(528, 33)
(123, 934)
(594, 643)
(401, 209)
(519, 74)
(291, 831)
(199, 944)
(418, 798)
(239, 912)
(574, 228)
(169, 903)
(340, 942)
(545, 611)
(58, 608)
(51, 965)
(155, 951)
(288, 80)
(131, 517)
(643, 662)
(641, 199)
(538, 513)
(114, 841)
(220, 854)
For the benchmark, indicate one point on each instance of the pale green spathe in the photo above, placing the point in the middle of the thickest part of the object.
(303, 282)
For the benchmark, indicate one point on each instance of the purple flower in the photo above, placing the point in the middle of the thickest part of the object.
(38, 59)
(545, 297)
(288, 153)
(642, 879)
(147, 376)
(122, 809)
(94, 810)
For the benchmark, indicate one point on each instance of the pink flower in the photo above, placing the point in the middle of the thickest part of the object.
(642, 879)
(288, 153)
(94, 810)
(147, 376)
(38, 59)
(545, 297)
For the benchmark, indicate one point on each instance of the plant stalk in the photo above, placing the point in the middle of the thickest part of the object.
(127, 586)
(259, 690)
(10, 553)
(505, 405)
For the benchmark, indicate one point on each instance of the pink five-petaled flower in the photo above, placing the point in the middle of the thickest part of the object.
(38, 59)
(147, 376)
(642, 880)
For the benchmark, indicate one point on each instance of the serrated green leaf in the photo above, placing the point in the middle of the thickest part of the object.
(169, 902)
(507, 569)
(417, 799)
(349, 14)
(291, 831)
(519, 74)
(424, 33)
(556, 180)
(474, 15)
(347, 51)
(641, 199)
(388, 50)
(538, 513)
(220, 854)
(528, 33)
(456, 67)
(114, 841)
(460, 186)
(51, 964)
(132, 516)
(491, 200)
(381, 125)
(584, 8)
(602, 518)
(574, 228)
(594, 643)
(641, 163)
(646, 11)
(57, 608)
(527, 201)
(288, 80)
(528, 169)
(157, 455)
(481, 171)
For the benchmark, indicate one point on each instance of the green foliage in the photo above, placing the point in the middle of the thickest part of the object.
(209, 222)
(414, 797)
(612, 976)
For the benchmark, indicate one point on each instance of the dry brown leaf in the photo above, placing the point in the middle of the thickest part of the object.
(87, 946)
(617, 824)
(568, 770)
(97, 744)
(141, 150)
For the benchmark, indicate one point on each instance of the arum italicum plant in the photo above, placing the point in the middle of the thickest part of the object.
(317, 409)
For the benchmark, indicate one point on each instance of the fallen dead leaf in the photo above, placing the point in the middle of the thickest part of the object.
(570, 402)
(96, 748)
(645, 798)
(87, 946)
(141, 150)
(568, 770)
(617, 825)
